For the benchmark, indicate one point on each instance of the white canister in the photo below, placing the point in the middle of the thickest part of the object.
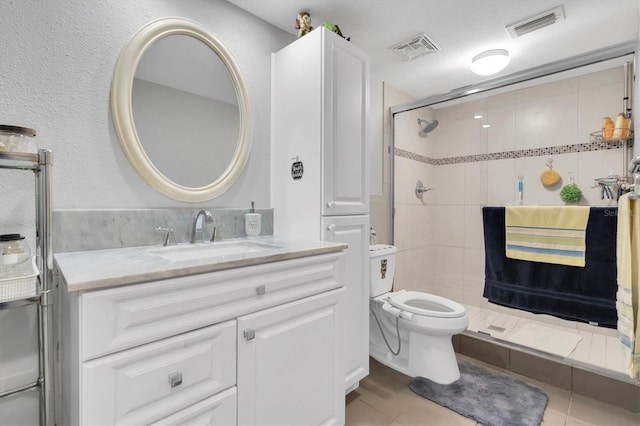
(13, 249)
(17, 139)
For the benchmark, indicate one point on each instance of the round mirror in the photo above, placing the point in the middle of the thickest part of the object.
(181, 110)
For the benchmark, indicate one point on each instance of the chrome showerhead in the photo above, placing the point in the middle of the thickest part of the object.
(427, 126)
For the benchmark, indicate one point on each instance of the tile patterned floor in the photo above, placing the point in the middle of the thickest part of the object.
(384, 398)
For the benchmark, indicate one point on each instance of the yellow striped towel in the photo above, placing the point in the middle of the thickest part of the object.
(628, 294)
(549, 234)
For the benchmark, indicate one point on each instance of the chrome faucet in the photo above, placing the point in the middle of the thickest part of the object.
(208, 218)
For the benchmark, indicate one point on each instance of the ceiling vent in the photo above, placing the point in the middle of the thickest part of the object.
(537, 22)
(416, 46)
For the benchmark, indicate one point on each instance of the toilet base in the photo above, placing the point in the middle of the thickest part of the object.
(421, 355)
(436, 364)
(433, 358)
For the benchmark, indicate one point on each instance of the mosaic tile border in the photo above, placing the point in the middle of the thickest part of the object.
(522, 153)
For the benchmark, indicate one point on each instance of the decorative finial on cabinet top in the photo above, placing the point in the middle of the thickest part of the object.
(303, 23)
(335, 29)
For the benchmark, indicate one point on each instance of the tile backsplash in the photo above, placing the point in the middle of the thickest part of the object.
(79, 230)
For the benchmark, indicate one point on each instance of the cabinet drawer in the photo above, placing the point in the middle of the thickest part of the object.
(134, 386)
(217, 410)
(124, 317)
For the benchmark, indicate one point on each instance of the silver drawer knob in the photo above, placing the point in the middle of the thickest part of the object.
(175, 379)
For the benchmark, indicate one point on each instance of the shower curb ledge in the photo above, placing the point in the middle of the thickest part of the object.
(604, 385)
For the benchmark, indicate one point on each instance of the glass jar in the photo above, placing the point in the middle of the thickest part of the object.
(17, 139)
(13, 249)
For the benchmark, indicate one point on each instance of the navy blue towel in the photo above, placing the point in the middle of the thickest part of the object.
(581, 294)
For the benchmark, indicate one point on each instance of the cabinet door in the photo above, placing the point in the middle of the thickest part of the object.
(345, 153)
(290, 368)
(296, 137)
(354, 230)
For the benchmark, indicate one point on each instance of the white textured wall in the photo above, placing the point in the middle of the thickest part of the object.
(57, 62)
(55, 75)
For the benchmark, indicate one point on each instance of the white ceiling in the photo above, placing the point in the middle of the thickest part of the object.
(462, 29)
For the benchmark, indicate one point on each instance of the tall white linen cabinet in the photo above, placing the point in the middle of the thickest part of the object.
(319, 165)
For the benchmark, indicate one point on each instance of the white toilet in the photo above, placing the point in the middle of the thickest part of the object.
(424, 321)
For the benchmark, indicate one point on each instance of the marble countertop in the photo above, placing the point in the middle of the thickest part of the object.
(98, 269)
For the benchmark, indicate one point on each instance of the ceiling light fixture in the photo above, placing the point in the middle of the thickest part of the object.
(490, 62)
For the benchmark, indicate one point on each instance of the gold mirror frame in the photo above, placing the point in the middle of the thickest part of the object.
(122, 111)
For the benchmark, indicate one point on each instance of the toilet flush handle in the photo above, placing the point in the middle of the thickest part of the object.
(397, 312)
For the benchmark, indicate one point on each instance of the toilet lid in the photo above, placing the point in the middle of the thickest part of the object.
(427, 304)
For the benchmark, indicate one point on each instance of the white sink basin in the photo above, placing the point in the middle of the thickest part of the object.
(212, 251)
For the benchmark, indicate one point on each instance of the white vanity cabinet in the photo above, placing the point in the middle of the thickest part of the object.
(319, 164)
(258, 344)
(352, 230)
(319, 133)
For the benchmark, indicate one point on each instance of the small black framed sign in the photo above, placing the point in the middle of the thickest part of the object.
(297, 170)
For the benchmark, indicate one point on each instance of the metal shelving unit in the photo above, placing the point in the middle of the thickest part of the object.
(40, 164)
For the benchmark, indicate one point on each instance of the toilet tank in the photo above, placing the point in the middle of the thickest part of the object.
(383, 268)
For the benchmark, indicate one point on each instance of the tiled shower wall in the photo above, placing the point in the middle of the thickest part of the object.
(439, 237)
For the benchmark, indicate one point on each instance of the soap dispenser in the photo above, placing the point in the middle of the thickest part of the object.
(252, 221)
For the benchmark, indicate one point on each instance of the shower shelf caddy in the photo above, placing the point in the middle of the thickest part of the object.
(35, 286)
(625, 182)
(599, 136)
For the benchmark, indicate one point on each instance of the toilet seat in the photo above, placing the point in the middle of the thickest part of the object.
(426, 304)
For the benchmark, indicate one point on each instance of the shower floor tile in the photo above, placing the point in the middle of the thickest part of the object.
(596, 349)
